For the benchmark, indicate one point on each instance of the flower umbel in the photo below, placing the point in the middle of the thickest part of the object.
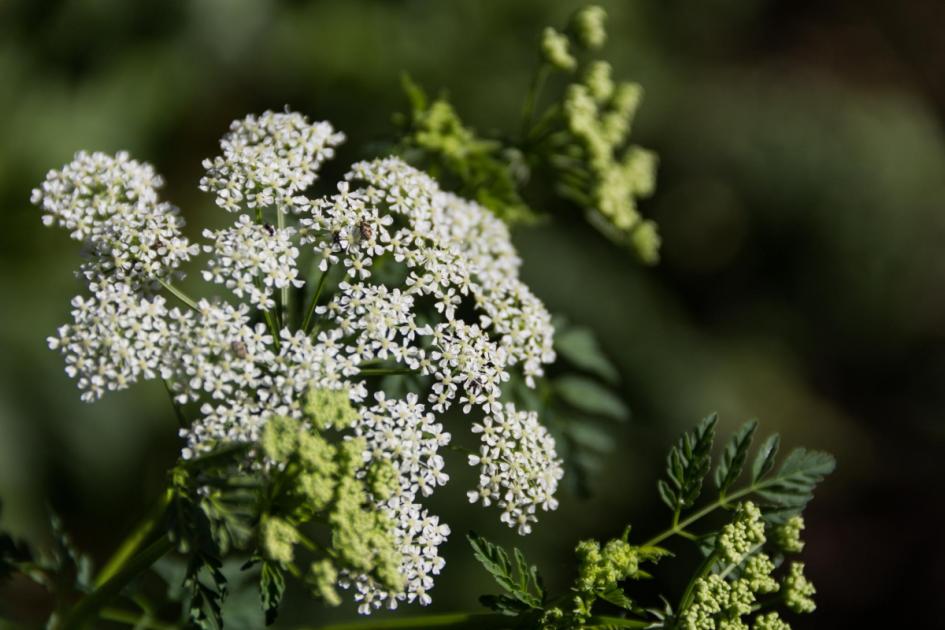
(416, 281)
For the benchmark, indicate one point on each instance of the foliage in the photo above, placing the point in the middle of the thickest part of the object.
(743, 554)
(304, 484)
(577, 145)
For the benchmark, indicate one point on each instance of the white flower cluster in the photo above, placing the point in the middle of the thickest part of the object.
(268, 159)
(424, 281)
(518, 467)
(116, 337)
(111, 205)
(252, 260)
(405, 434)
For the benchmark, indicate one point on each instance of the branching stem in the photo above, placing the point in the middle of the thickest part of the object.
(180, 295)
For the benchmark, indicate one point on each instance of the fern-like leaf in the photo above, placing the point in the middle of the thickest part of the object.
(687, 464)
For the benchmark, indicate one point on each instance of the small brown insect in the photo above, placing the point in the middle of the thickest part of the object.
(269, 229)
(157, 245)
(365, 230)
(475, 387)
(239, 349)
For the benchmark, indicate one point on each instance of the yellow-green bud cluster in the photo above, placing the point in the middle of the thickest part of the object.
(323, 577)
(330, 408)
(770, 621)
(798, 590)
(721, 601)
(331, 479)
(744, 534)
(718, 603)
(278, 537)
(757, 573)
(788, 536)
(601, 568)
(588, 27)
(555, 49)
(599, 113)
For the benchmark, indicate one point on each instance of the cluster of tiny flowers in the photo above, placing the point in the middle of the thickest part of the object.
(743, 535)
(268, 159)
(723, 598)
(798, 590)
(252, 260)
(403, 433)
(116, 337)
(426, 280)
(598, 114)
(111, 205)
(518, 467)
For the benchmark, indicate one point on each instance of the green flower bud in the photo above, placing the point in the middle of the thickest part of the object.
(798, 590)
(330, 408)
(744, 533)
(280, 438)
(770, 621)
(323, 577)
(646, 241)
(383, 480)
(788, 536)
(598, 81)
(757, 573)
(555, 50)
(278, 537)
(588, 27)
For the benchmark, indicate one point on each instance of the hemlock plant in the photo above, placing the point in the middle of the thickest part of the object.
(313, 406)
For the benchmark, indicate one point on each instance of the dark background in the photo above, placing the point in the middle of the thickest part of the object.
(800, 198)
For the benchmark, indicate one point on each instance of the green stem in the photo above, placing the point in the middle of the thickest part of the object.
(284, 292)
(89, 606)
(607, 621)
(273, 328)
(468, 621)
(133, 541)
(213, 457)
(385, 371)
(181, 420)
(133, 619)
(681, 526)
(180, 295)
(528, 111)
(690, 588)
(318, 294)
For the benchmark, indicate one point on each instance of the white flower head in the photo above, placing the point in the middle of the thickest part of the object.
(519, 469)
(267, 159)
(110, 203)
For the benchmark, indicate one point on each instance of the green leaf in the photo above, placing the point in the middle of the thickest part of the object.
(206, 598)
(792, 487)
(764, 460)
(734, 456)
(503, 604)
(590, 397)
(687, 464)
(579, 346)
(520, 580)
(271, 588)
(617, 597)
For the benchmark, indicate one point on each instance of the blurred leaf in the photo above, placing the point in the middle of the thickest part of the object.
(271, 589)
(590, 397)
(579, 346)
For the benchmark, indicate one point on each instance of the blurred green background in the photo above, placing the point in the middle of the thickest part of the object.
(800, 197)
